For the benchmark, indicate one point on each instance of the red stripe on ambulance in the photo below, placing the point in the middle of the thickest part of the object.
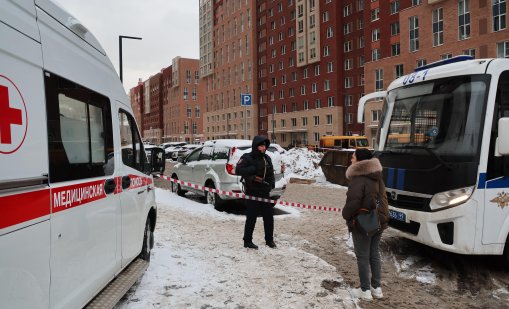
(24, 207)
(71, 196)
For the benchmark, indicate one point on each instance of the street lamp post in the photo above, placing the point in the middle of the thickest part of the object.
(120, 37)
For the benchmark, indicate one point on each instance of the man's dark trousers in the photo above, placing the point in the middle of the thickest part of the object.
(253, 209)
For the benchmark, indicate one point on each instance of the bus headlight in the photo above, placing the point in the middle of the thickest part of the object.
(451, 198)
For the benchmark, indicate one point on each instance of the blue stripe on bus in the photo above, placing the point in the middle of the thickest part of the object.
(401, 179)
(482, 181)
(390, 177)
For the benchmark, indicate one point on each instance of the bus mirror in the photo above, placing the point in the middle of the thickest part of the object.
(502, 144)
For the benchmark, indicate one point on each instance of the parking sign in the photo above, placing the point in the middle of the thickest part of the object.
(246, 99)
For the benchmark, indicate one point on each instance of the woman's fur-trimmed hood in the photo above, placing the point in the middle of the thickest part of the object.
(371, 168)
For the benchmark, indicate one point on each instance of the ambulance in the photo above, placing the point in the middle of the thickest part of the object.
(77, 203)
(448, 179)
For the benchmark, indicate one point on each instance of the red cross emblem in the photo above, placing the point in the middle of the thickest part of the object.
(13, 120)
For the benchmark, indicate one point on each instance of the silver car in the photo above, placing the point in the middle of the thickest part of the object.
(213, 166)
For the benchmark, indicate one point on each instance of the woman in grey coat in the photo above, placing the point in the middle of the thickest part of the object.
(366, 183)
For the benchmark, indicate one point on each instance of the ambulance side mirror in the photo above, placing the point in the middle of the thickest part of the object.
(157, 161)
(502, 144)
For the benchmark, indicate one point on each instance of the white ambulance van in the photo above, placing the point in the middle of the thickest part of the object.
(77, 202)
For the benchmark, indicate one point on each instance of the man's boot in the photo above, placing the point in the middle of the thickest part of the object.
(249, 244)
(271, 244)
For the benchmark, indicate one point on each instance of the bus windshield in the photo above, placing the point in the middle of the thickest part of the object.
(442, 118)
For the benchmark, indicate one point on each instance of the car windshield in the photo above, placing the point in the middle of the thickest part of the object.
(442, 118)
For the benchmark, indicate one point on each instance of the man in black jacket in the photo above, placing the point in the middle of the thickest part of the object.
(258, 173)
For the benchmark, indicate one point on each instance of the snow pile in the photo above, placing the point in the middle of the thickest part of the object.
(302, 163)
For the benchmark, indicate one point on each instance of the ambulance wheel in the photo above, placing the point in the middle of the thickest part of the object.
(213, 198)
(175, 187)
(148, 241)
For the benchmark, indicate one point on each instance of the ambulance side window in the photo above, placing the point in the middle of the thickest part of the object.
(80, 138)
(133, 154)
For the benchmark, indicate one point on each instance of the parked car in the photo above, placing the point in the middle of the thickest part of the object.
(183, 151)
(170, 147)
(276, 147)
(213, 166)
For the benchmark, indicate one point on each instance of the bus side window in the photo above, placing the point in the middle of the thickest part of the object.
(496, 164)
(344, 143)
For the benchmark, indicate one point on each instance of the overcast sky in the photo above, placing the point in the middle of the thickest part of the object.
(169, 28)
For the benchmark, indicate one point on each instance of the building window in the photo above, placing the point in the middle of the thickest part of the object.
(421, 62)
(189, 112)
(317, 136)
(318, 103)
(348, 100)
(395, 7)
(325, 16)
(463, 19)
(361, 42)
(303, 90)
(348, 64)
(317, 120)
(438, 26)
(379, 80)
(330, 101)
(375, 35)
(306, 105)
(313, 88)
(503, 49)
(375, 115)
(326, 51)
(416, 2)
(375, 54)
(330, 32)
(395, 28)
(470, 52)
(499, 14)
(317, 70)
(330, 67)
(375, 14)
(304, 121)
(294, 122)
(197, 111)
(347, 28)
(446, 56)
(284, 108)
(328, 119)
(398, 68)
(347, 10)
(326, 85)
(348, 119)
(414, 33)
(395, 49)
(348, 82)
(186, 93)
(283, 123)
(347, 46)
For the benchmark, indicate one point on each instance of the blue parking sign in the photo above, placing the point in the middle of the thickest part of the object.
(246, 99)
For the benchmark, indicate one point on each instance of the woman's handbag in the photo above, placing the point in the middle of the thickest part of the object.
(368, 220)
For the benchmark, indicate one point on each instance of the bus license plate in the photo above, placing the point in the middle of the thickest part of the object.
(396, 215)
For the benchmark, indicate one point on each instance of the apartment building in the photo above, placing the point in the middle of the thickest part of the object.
(433, 30)
(233, 69)
(183, 107)
(168, 106)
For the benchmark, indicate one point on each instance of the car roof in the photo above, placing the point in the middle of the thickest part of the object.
(229, 142)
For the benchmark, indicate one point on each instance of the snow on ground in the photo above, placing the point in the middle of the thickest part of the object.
(198, 262)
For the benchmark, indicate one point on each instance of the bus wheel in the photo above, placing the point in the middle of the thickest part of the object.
(148, 241)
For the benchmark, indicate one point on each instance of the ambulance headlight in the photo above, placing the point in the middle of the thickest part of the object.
(451, 198)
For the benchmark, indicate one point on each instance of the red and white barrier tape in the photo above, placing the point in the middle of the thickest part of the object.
(249, 197)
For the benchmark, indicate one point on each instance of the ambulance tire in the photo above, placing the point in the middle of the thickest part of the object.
(176, 188)
(148, 241)
(213, 198)
(505, 256)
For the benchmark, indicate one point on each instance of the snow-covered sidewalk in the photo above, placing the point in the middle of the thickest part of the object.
(199, 262)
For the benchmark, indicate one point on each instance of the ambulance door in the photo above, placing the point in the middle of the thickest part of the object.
(135, 185)
(24, 194)
(85, 206)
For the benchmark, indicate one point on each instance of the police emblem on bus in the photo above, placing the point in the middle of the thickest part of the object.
(502, 199)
